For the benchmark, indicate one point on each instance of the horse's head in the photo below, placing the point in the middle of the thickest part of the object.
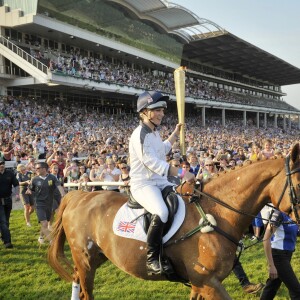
(290, 198)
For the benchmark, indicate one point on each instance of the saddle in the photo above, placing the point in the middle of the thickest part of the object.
(171, 202)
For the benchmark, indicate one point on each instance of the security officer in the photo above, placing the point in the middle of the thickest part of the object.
(7, 180)
(149, 170)
(44, 186)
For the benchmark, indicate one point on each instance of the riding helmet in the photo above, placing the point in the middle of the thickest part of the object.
(151, 100)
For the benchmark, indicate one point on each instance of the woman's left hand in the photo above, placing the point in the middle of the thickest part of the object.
(178, 128)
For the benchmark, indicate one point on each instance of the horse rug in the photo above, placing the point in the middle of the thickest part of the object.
(127, 224)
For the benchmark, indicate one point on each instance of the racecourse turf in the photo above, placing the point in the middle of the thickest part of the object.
(25, 274)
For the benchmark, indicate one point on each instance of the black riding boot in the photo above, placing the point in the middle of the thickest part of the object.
(154, 240)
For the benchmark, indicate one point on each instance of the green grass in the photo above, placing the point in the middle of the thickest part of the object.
(25, 274)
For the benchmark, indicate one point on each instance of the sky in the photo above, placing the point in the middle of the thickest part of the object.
(272, 25)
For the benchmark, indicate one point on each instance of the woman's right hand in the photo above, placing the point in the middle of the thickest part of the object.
(189, 177)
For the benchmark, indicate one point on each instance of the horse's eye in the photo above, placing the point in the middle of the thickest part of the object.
(298, 185)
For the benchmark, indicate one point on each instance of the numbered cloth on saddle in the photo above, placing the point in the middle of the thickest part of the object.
(127, 224)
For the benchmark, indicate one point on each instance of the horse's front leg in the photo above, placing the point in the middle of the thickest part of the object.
(213, 291)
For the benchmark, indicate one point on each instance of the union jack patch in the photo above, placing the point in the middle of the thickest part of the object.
(127, 226)
(149, 99)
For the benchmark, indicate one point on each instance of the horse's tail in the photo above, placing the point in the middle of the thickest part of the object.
(56, 255)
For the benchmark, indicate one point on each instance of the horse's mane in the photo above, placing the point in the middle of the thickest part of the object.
(244, 166)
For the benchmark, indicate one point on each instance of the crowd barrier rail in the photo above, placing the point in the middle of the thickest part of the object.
(95, 183)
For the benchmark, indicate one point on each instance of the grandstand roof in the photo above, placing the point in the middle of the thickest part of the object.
(229, 52)
(172, 18)
(207, 43)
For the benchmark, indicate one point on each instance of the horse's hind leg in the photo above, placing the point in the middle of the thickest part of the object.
(84, 272)
(75, 286)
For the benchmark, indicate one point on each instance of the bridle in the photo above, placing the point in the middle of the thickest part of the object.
(288, 184)
(292, 193)
(195, 197)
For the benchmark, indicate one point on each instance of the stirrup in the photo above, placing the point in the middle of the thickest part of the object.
(152, 269)
(167, 267)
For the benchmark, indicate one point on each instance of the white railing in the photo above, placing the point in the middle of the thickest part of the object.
(95, 183)
(29, 58)
(13, 164)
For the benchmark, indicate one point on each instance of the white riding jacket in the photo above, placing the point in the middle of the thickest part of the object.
(148, 164)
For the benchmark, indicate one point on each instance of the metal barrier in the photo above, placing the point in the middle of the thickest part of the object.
(95, 183)
(13, 164)
(32, 60)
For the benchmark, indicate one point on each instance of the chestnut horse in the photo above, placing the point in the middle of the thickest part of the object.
(85, 219)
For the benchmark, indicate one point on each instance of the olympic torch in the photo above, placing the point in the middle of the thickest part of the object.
(179, 78)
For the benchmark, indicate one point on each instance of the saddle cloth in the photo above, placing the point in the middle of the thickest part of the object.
(124, 227)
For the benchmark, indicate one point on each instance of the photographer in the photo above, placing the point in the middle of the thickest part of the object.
(8, 152)
(109, 174)
(72, 174)
(223, 164)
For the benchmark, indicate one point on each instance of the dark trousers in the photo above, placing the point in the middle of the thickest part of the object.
(282, 262)
(5, 209)
(240, 273)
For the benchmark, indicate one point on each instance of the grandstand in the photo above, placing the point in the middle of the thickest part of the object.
(104, 53)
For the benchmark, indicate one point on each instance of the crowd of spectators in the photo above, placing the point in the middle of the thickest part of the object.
(96, 69)
(79, 141)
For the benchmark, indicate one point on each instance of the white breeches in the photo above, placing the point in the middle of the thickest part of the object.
(151, 199)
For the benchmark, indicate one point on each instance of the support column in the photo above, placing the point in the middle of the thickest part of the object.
(284, 122)
(203, 116)
(223, 117)
(3, 90)
(298, 121)
(275, 120)
(257, 119)
(290, 122)
(265, 120)
(245, 118)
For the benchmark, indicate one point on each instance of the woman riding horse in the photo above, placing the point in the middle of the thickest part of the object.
(85, 220)
(149, 171)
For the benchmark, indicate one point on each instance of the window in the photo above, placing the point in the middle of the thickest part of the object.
(51, 44)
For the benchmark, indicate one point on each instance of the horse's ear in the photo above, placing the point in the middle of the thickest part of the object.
(295, 153)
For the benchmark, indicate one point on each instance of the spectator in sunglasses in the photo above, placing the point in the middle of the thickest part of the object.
(208, 171)
(124, 177)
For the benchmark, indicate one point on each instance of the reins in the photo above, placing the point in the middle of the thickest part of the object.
(222, 203)
(195, 199)
(288, 183)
